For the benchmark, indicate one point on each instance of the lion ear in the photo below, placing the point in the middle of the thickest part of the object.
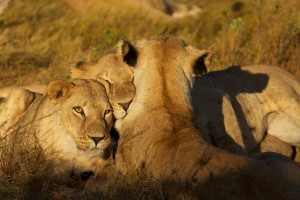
(59, 88)
(128, 52)
(203, 62)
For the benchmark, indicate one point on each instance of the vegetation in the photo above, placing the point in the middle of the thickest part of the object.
(40, 39)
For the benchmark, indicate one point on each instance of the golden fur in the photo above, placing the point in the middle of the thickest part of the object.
(111, 67)
(237, 124)
(72, 121)
(6, 91)
(158, 136)
(236, 107)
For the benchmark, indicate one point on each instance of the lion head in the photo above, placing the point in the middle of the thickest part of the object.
(81, 113)
(116, 68)
(71, 123)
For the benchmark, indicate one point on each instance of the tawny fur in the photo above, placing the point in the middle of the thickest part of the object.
(158, 136)
(72, 122)
(110, 67)
(231, 107)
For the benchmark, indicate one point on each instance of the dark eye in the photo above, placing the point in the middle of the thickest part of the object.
(79, 110)
(106, 112)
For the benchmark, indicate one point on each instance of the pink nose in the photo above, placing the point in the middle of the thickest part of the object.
(125, 105)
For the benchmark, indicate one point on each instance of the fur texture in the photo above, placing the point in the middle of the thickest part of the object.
(71, 122)
(158, 135)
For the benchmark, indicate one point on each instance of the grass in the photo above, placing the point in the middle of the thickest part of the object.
(40, 38)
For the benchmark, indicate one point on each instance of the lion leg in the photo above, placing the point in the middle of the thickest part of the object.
(14, 106)
(284, 127)
(273, 144)
(104, 170)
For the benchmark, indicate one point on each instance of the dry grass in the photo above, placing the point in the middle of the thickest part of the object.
(39, 38)
(26, 174)
(24, 170)
(42, 37)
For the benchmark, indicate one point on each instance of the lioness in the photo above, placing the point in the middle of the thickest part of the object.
(158, 134)
(159, 7)
(224, 120)
(110, 67)
(236, 107)
(72, 121)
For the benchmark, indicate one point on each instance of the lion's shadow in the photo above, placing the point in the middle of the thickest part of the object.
(233, 85)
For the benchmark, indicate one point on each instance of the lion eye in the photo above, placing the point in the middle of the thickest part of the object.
(78, 110)
(106, 112)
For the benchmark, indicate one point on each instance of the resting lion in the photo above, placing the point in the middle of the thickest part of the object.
(234, 108)
(162, 8)
(158, 136)
(223, 119)
(109, 68)
(72, 122)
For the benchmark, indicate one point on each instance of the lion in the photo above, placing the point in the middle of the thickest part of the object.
(162, 8)
(35, 88)
(109, 68)
(112, 67)
(72, 122)
(158, 135)
(218, 122)
(235, 108)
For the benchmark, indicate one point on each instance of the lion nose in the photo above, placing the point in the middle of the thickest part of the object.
(97, 139)
(79, 64)
(125, 106)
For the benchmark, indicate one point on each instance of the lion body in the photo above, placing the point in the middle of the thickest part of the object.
(38, 88)
(71, 122)
(231, 108)
(235, 108)
(162, 8)
(158, 135)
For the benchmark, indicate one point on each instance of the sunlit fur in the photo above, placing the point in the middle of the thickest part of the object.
(66, 136)
(158, 136)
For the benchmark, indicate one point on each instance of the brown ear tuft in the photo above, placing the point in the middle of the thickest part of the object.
(58, 88)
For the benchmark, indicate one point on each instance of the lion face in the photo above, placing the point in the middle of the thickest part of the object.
(115, 68)
(83, 112)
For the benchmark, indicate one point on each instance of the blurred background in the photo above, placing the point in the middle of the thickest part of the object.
(39, 39)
